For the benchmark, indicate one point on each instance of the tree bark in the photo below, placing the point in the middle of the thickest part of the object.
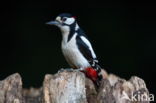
(73, 87)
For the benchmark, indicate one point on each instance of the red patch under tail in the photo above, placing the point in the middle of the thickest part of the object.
(91, 73)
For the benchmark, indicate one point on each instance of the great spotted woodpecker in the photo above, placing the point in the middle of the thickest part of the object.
(76, 47)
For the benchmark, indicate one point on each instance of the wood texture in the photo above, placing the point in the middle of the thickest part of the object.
(73, 87)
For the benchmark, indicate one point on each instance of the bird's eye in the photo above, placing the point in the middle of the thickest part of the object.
(64, 19)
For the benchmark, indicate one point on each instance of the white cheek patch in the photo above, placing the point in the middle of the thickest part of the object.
(89, 45)
(69, 21)
(58, 19)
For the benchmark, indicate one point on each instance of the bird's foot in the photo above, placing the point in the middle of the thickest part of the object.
(71, 70)
(67, 69)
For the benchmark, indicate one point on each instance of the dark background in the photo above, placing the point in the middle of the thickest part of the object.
(123, 36)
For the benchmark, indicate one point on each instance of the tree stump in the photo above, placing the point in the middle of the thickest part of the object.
(74, 87)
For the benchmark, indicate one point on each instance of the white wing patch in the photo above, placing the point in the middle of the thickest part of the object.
(89, 45)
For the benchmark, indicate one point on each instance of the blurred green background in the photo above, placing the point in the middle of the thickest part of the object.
(123, 36)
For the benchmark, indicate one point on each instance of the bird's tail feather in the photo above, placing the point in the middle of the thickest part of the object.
(98, 68)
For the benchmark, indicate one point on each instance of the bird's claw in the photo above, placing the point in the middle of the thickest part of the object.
(70, 70)
(61, 70)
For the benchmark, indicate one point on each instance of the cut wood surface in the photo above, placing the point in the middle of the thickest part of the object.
(73, 87)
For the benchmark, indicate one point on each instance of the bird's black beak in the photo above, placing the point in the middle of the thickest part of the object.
(56, 23)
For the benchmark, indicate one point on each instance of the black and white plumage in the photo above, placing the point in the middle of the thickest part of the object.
(76, 47)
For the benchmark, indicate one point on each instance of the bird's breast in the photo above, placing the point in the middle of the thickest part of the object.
(73, 55)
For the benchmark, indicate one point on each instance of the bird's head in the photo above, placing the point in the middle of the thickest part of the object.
(64, 21)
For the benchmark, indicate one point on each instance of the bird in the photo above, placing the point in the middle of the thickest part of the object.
(76, 47)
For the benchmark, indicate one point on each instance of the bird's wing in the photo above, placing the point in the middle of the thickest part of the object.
(85, 48)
